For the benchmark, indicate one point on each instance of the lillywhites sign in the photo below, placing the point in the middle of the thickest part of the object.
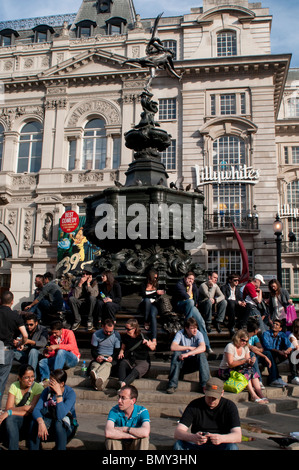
(232, 174)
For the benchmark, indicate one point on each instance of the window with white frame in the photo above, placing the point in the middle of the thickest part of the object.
(116, 152)
(225, 262)
(226, 44)
(167, 109)
(229, 199)
(171, 45)
(291, 155)
(286, 278)
(228, 104)
(1, 145)
(293, 107)
(30, 148)
(72, 154)
(293, 193)
(94, 145)
(168, 157)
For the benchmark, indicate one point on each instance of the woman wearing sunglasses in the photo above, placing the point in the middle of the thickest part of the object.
(22, 397)
(237, 357)
(134, 354)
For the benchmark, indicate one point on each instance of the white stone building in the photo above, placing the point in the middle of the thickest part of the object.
(68, 99)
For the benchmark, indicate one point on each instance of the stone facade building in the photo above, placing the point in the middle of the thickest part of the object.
(67, 98)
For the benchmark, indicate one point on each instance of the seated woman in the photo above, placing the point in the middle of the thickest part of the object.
(54, 417)
(134, 354)
(22, 398)
(108, 302)
(237, 357)
(150, 294)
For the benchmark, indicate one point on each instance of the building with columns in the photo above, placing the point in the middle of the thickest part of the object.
(67, 98)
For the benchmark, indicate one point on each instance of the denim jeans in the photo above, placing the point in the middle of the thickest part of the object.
(187, 308)
(206, 308)
(190, 364)
(17, 428)
(58, 432)
(61, 359)
(150, 313)
(5, 370)
(30, 357)
(184, 445)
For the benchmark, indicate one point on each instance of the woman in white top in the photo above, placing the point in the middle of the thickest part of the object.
(237, 357)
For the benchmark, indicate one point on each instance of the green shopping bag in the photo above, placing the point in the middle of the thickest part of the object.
(235, 383)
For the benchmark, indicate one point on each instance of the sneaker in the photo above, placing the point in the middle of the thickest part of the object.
(278, 383)
(89, 326)
(76, 326)
(99, 384)
(295, 381)
(93, 379)
(170, 390)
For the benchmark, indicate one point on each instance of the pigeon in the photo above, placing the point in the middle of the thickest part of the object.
(188, 187)
(118, 184)
(283, 442)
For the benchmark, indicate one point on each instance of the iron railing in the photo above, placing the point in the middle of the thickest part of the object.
(224, 220)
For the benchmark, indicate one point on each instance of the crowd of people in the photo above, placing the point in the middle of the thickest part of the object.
(40, 406)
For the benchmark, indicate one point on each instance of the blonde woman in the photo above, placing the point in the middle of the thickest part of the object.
(237, 357)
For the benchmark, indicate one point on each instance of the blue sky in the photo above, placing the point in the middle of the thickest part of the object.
(285, 30)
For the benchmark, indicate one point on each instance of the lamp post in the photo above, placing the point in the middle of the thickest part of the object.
(278, 227)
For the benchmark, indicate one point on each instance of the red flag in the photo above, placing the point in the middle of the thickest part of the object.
(245, 271)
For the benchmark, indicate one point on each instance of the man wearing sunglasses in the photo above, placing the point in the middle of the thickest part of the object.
(235, 302)
(31, 352)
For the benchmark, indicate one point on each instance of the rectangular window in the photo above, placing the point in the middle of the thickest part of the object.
(116, 152)
(168, 157)
(243, 103)
(172, 45)
(295, 155)
(228, 104)
(286, 155)
(72, 154)
(225, 262)
(167, 109)
(296, 281)
(213, 105)
(226, 44)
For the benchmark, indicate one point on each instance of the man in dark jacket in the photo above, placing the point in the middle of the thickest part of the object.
(11, 323)
(185, 303)
(235, 301)
(84, 295)
(31, 352)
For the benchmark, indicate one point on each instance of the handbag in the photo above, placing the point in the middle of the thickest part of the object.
(235, 383)
(291, 314)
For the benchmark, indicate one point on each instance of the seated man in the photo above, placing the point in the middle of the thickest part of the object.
(235, 301)
(253, 297)
(128, 424)
(209, 296)
(62, 353)
(30, 352)
(39, 284)
(188, 348)
(276, 342)
(214, 421)
(49, 302)
(185, 302)
(105, 345)
(84, 295)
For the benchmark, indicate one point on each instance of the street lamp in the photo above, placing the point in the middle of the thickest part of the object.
(277, 228)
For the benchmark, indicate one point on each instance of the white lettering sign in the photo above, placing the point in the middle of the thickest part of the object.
(241, 174)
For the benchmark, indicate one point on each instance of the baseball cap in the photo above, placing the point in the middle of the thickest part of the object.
(260, 278)
(214, 387)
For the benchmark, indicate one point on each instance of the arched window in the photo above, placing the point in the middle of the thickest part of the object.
(226, 44)
(94, 145)
(1, 145)
(30, 148)
(229, 198)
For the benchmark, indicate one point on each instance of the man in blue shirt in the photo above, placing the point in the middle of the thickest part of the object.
(128, 424)
(188, 348)
(105, 346)
(278, 344)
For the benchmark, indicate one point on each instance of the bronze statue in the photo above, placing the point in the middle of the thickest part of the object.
(158, 56)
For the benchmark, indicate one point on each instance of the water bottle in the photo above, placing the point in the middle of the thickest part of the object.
(83, 369)
(102, 295)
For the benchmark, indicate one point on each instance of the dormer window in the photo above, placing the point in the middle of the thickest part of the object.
(104, 6)
(226, 44)
(43, 33)
(116, 25)
(85, 28)
(7, 37)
